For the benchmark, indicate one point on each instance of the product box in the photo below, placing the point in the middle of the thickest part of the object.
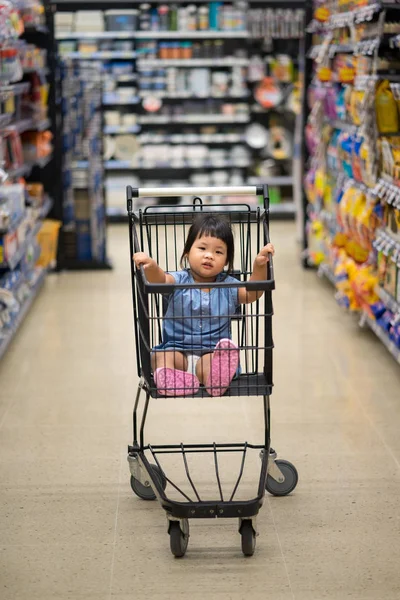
(121, 20)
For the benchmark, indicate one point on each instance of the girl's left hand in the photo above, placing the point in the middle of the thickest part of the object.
(262, 257)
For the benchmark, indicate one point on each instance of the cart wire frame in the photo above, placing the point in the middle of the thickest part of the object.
(148, 307)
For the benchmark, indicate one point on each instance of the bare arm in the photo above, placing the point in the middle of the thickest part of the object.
(153, 271)
(260, 271)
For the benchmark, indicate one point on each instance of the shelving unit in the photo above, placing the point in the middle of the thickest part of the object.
(23, 116)
(352, 190)
(84, 213)
(197, 116)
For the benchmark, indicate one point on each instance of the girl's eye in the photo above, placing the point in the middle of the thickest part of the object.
(201, 248)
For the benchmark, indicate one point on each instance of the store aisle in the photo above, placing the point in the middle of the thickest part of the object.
(70, 526)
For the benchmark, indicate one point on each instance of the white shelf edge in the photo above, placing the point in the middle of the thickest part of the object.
(388, 300)
(126, 166)
(120, 129)
(384, 338)
(324, 270)
(130, 35)
(194, 119)
(193, 62)
(287, 208)
(189, 95)
(106, 55)
(207, 139)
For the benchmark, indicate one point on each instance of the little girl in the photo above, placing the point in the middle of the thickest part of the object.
(196, 345)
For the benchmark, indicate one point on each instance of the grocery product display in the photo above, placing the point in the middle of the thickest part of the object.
(84, 220)
(26, 158)
(183, 83)
(352, 178)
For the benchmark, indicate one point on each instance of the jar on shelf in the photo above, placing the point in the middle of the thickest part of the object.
(163, 51)
(175, 50)
(186, 50)
(203, 18)
(192, 17)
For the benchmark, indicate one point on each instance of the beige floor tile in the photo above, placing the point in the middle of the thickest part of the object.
(49, 516)
(213, 562)
(50, 442)
(51, 572)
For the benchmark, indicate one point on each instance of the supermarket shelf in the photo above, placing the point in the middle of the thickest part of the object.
(36, 29)
(193, 62)
(110, 129)
(31, 125)
(85, 265)
(153, 35)
(116, 100)
(184, 95)
(46, 208)
(110, 55)
(191, 35)
(20, 253)
(41, 70)
(324, 270)
(382, 335)
(343, 125)
(388, 300)
(126, 78)
(13, 226)
(272, 181)
(95, 35)
(42, 213)
(25, 169)
(282, 210)
(122, 165)
(191, 138)
(11, 332)
(5, 120)
(202, 118)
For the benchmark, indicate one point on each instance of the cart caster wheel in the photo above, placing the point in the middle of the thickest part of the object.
(145, 492)
(248, 538)
(291, 478)
(178, 538)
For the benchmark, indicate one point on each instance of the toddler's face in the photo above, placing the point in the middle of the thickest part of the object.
(207, 257)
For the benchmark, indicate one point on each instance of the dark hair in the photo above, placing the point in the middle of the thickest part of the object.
(214, 226)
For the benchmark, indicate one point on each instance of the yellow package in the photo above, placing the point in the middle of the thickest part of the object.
(356, 211)
(387, 117)
(356, 105)
(48, 242)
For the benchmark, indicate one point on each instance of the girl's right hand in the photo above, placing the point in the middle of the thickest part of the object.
(141, 259)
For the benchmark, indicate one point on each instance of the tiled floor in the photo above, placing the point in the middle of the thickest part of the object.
(70, 527)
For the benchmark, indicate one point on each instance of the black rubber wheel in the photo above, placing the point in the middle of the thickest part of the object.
(248, 538)
(145, 492)
(179, 539)
(291, 478)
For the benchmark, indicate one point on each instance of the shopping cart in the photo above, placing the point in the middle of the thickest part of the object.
(160, 232)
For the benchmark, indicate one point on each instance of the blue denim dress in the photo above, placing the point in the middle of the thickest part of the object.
(196, 320)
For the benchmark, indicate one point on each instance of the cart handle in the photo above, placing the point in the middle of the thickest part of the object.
(166, 192)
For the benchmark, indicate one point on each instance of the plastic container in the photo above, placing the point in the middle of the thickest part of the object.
(121, 20)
